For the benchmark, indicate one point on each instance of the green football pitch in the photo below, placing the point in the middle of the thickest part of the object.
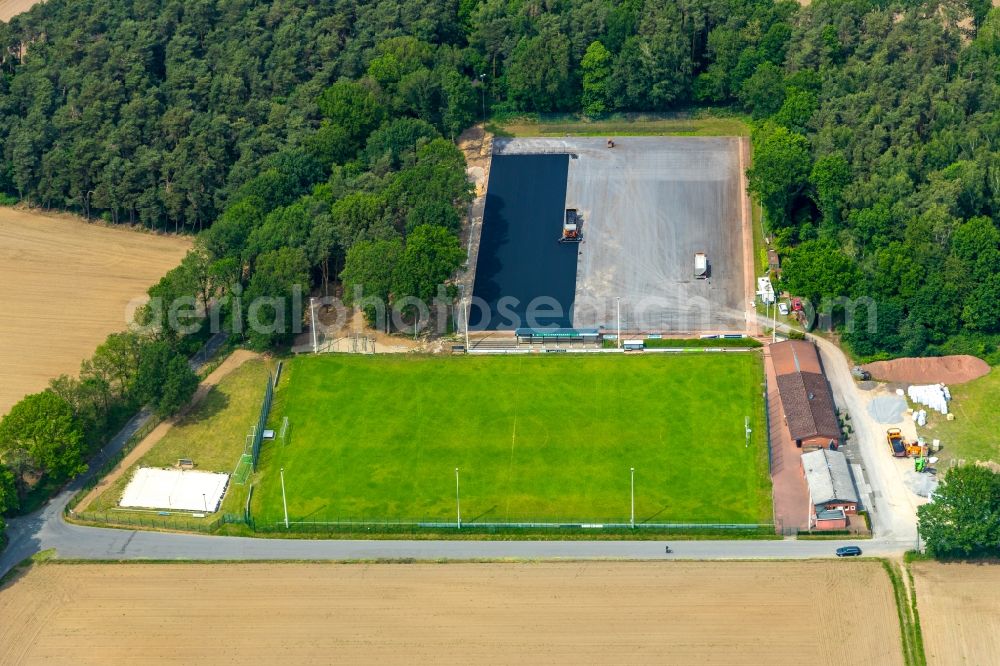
(539, 438)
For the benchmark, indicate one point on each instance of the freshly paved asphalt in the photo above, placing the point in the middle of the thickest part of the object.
(520, 259)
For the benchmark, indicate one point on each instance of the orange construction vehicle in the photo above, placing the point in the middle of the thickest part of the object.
(901, 448)
(571, 233)
(897, 445)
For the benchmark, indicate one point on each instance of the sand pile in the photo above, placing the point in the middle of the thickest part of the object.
(940, 369)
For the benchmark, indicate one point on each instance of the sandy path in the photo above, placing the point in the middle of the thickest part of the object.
(64, 286)
(728, 613)
(235, 360)
(746, 222)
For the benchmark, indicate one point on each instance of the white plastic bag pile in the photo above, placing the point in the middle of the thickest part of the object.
(934, 396)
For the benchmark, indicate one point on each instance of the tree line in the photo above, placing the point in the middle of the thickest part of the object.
(47, 437)
(369, 196)
(877, 163)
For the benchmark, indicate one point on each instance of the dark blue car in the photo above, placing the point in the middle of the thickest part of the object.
(848, 551)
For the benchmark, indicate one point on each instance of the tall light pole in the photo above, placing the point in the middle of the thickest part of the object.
(283, 501)
(465, 310)
(482, 87)
(618, 300)
(632, 518)
(458, 502)
(774, 317)
(312, 314)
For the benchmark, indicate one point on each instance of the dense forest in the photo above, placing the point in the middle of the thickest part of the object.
(876, 127)
(311, 142)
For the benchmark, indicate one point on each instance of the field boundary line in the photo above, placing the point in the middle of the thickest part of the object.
(904, 593)
(513, 439)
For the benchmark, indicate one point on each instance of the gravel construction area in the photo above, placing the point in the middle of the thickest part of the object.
(710, 613)
(521, 266)
(648, 205)
(887, 409)
(934, 370)
(920, 484)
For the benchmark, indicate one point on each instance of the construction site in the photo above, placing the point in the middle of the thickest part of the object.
(634, 234)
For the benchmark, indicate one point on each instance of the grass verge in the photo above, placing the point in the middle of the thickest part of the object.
(906, 608)
(698, 122)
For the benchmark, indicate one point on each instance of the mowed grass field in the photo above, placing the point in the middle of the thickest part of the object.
(536, 438)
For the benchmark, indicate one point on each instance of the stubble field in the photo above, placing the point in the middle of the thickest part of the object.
(596, 612)
(11, 8)
(64, 285)
(959, 608)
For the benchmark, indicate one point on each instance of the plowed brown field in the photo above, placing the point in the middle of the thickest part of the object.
(597, 612)
(64, 285)
(959, 607)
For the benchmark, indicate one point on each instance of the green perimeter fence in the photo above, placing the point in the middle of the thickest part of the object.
(275, 525)
(165, 520)
(265, 410)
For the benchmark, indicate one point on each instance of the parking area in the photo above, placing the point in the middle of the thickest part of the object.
(647, 206)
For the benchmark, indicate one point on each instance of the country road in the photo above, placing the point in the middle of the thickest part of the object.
(894, 523)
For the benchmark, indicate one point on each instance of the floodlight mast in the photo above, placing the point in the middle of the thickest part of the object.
(284, 502)
(618, 300)
(458, 502)
(632, 518)
(312, 313)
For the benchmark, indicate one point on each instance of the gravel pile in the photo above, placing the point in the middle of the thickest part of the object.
(887, 409)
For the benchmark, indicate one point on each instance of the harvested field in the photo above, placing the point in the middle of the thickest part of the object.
(66, 285)
(937, 370)
(959, 608)
(11, 8)
(597, 612)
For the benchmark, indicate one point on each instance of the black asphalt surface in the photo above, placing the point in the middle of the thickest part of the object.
(520, 258)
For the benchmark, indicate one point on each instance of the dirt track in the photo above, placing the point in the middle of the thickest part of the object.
(598, 612)
(235, 360)
(959, 608)
(65, 285)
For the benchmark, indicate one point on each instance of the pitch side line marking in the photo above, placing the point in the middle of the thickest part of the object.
(513, 438)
